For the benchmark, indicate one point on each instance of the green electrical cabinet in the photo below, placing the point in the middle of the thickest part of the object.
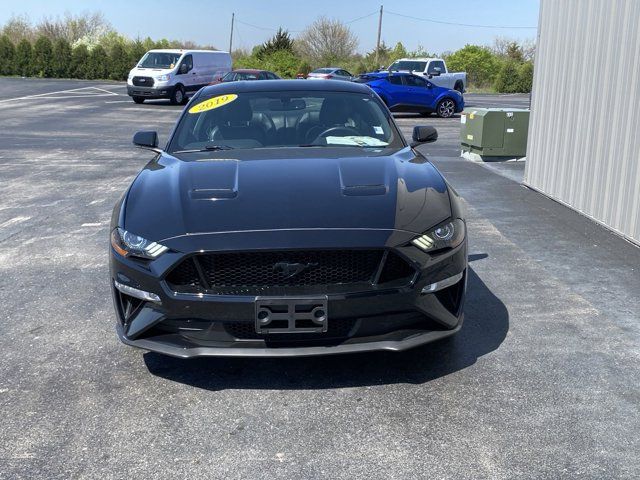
(494, 132)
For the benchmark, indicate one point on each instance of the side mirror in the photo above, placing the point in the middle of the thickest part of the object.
(424, 134)
(146, 139)
(183, 68)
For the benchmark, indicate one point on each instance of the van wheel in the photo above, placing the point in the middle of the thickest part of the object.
(138, 99)
(446, 108)
(177, 96)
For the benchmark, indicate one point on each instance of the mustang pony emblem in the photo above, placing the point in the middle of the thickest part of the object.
(290, 270)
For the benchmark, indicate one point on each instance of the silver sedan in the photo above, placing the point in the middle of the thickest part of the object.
(330, 73)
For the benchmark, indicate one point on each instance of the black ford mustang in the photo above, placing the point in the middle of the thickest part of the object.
(287, 218)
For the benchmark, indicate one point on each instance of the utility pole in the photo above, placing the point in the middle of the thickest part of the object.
(233, 15)
(378, 42)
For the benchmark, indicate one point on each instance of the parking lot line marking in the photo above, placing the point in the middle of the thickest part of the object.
(91, 224)
(106, 91)
(13, 221)
(118, 101)
(70, 91)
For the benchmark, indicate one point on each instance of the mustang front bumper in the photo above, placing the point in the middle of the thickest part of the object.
(189, 325)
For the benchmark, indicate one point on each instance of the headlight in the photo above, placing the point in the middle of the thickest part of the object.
(129, 244)
(446, 235)
(163, 78)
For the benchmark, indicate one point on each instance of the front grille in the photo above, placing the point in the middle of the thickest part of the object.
(289, 272)
(142, 81)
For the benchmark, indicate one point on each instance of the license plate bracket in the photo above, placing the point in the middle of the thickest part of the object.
(291, 315)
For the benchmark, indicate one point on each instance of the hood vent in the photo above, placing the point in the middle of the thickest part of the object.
(212, 193)
(364, 190)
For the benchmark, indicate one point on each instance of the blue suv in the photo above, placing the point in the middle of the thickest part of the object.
(405, 92)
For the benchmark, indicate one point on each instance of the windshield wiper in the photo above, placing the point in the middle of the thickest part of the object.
(208, 148)
(218, 147)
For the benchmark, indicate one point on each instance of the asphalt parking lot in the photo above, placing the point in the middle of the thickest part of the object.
(543, 381)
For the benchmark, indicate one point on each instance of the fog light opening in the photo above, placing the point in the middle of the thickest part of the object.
(442, 284)
(137, 293)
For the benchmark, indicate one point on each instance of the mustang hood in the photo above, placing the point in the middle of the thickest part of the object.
(266, 190)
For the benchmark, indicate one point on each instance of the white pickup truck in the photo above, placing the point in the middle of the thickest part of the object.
(435, 69)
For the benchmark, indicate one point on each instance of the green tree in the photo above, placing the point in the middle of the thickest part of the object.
(420, 52)
(7, 54)
(119, 64)
(514, 52)
(148, 44)
(98, 63)
(61, 61)
(369, 61)
(508, 78)
(399, 51)
(361, 67)
(304, 68)
(480, 64)
(136, 50)
(525, 81)
(42, 57)
(22, 58)
(162, 43)
(80, 61)
(284, 63)
(280, 41)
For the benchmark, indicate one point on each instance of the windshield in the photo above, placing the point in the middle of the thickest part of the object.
(285, 119)
(323, 70)
(233, 76)
(408, 65)
(159, 60)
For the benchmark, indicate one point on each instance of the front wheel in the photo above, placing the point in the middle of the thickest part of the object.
(138, 99)
(446, 108)
(177, 96)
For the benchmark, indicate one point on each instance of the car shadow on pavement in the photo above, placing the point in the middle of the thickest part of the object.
(485, 327)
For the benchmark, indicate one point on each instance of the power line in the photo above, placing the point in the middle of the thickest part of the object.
(257, 26)
(360, 18)
(271, 29)
(442, 22)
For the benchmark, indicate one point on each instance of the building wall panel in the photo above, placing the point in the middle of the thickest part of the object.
(584, 135)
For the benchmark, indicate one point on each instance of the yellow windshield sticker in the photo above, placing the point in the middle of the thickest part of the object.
(213, 102)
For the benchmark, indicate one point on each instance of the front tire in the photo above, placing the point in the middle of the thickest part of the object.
(177, 96)
(138, 99)
(446, 108)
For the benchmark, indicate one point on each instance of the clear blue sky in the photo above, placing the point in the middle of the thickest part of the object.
(207, 22)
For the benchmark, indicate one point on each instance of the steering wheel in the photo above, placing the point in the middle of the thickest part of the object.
(336, 130)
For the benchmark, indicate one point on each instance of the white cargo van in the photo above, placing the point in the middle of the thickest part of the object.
(175, 74)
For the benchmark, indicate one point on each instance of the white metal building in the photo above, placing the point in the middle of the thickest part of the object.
(584, 132)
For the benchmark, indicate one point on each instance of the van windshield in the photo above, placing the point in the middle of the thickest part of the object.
(159, 60)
